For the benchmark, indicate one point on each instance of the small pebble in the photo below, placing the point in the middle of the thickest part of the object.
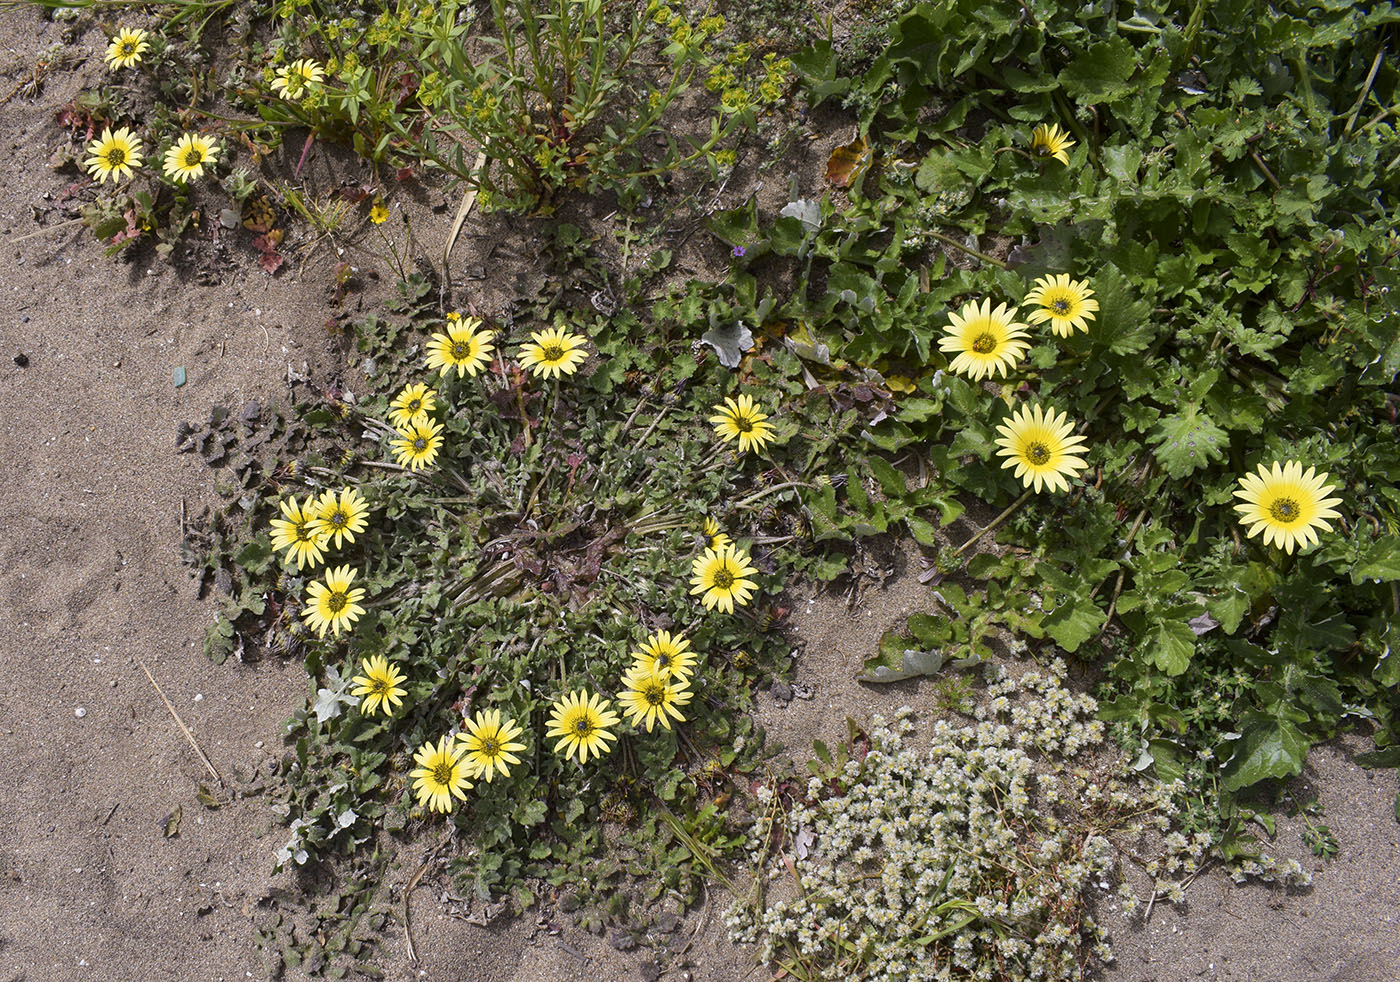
(199, 697)
(258, 744)
(80, 712)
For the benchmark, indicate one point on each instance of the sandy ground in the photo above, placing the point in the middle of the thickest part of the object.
(93, 763)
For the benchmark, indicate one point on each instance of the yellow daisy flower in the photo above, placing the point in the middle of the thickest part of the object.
(988, 341)
(412, 405)
(714, 537)
(581, 721)
(1040, 447)
(489, 744)
(1051, 141)
(1067, 304)
(666, 654)
(721, 575)
(126, 48)
(651, 697)
(378, 211)
(553, 352)
(333, 604)
(418, 444)
(292, 81)
(742, 418)
(298, 532)
(1287, 504)
(381, 687)
(114, 155)
(186, 159)
(441, 775)
(343, 516)
(463, 347)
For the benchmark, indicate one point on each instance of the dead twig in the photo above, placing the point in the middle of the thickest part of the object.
(408, 890)
(181, 723)
(468, 200)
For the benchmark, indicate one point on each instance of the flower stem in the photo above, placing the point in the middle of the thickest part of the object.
(946, 240)
(995, 523)
(757, 495)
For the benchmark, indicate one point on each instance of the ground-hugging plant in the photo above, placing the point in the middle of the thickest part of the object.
(980, 856)
(507, 539)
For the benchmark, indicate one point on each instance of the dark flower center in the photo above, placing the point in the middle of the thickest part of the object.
(337, 601)
(1038, 454)
(302, 533)
(414, 405)
(443, 773)
(461, 350)
(1060, 306)
(128, 48)
(339, 519)
(194, 157)
(985, 343)
(551, 352)
(723, 578)
(116, 156)
(378, 686)
(743, 424)
(420, 444)
(490, 747)
(582, 726)
(1284, 510)
(663, 660)
(655, 695)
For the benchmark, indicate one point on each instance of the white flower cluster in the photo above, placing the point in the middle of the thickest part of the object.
(1271, 869)
(973, 860)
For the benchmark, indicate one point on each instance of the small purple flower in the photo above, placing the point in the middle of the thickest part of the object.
(738, 252)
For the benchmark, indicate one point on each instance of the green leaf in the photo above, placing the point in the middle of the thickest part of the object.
(1101, 74)
(923, 531)
(1073, 622)
(891, 480)
(1170, 646)
(1187, 441)
(1228, 607)
(1380, 561)
(1388, 757)
(1124, 325)
(1267, 748)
